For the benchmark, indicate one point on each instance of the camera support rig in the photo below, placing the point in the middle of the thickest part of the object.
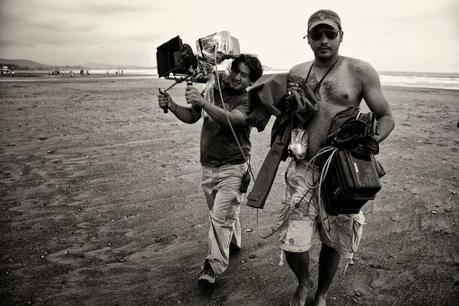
(175, 60)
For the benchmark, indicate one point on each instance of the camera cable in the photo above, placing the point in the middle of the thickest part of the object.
(247, 160)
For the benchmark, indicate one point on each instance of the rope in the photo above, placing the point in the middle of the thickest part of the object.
(247, 161)
(315, 185)
(289, 213)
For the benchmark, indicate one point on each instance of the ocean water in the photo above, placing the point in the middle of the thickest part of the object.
(420, 79)
(415, 79)
(404, 79)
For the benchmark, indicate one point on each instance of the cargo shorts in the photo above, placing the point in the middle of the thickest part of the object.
(303, 216)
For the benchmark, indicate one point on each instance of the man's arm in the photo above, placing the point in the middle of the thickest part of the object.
(374, 97)
(236, 117)
(185, 114)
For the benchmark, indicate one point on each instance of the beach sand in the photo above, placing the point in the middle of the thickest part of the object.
(101, 204)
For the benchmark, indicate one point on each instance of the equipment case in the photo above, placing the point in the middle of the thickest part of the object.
(350, 182)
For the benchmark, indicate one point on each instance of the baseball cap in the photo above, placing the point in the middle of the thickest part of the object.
(328, 17)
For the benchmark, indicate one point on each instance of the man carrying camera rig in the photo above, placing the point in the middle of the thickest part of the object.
(223, 159)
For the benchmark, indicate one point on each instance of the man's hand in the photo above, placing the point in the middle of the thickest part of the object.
(292, 87)
(291, 103)
(193, 96)
(163, 100)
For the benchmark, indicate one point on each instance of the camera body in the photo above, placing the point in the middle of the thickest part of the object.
(175, 59)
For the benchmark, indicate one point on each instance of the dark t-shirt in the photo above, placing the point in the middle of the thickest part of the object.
(218, 146)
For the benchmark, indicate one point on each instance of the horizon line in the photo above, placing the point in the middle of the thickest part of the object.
(134, 66)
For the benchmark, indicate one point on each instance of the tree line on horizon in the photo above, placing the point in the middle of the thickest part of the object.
(21, 64)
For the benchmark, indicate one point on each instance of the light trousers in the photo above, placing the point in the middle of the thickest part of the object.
(221, 189)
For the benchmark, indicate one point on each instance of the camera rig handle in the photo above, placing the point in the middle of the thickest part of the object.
(177, 81)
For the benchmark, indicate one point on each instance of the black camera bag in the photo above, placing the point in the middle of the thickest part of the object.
(351, 181)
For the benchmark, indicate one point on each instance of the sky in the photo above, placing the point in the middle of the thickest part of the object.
(392, 35)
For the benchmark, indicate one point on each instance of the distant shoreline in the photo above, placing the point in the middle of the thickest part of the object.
(387, 80)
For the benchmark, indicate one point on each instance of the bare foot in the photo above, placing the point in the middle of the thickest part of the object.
(301, 294)
(320, 300)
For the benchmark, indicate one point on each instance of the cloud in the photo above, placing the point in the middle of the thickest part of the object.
(60, 25)
(6, 41)
(109, 8)
(385, 32)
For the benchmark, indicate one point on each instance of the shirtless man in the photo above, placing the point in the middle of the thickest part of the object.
(338, 82)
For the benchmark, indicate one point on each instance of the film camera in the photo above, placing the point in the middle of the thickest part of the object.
(176, 60)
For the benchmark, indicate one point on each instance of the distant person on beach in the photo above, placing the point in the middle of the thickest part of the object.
(223, 159)
(337, 82)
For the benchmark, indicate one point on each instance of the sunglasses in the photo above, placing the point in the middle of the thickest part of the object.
(317, 34)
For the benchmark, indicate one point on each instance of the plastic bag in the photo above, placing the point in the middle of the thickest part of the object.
(216, 45)
(298, 146)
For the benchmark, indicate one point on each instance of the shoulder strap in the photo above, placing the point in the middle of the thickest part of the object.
(326, 73)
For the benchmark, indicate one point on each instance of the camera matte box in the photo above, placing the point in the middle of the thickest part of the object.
(168, 57)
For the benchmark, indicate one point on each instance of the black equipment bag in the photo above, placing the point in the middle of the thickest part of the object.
(351, 181)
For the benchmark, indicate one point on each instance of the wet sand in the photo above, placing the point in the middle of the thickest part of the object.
(101, 204)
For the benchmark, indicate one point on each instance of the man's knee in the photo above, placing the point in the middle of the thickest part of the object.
(329, 253)
(223, 215)
(297, 259)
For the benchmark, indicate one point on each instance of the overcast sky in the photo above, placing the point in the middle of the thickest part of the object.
(398, 35)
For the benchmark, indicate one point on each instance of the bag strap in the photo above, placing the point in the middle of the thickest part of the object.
(320, 82)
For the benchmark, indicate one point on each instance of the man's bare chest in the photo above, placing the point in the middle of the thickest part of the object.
(337, 89)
